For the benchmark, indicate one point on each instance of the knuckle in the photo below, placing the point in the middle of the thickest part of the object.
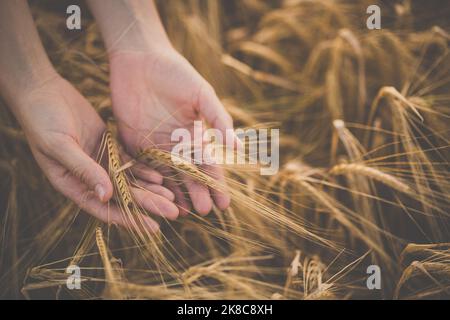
(228, 119)
(80, 172)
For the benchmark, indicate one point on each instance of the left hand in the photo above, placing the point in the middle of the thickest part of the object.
(64, 133)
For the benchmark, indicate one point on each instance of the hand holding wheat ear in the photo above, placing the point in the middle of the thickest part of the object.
(64, 133)
(154, 94)
(156, 91)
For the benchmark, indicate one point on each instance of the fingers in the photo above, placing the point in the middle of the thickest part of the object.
(155, 203)
(154, 188)
(147, 174)
(200, 196)
(210, 107)
(149, 193)
(213, 110)
(74, 189)
(221, 197)
(83, 167)
(180, 197)
(83, 175)
(143, 172)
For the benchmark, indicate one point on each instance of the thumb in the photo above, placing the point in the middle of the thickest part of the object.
(210, 107)
(82, 166)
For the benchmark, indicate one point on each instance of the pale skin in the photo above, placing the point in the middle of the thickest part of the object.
(154, 91)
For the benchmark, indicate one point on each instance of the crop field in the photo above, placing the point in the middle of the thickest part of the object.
(363, 180)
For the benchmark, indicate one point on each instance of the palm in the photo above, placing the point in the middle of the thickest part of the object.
(152, 97)
(58, 115)
(65, 133)
(154, 94)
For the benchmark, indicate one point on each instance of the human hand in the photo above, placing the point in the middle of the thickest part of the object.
(156, 92)
(64, 133)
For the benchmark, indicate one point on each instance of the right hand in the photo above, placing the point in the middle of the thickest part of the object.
(156, 92)
(64, 133)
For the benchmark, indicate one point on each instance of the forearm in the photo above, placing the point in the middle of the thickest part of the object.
(23, 61)
(129, 25)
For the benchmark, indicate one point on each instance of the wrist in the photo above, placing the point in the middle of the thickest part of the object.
(137, 25)
(16, 89)
(20, 81)
(138, 37)
(144, 52)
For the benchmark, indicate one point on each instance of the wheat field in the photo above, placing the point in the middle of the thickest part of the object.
(364, 162)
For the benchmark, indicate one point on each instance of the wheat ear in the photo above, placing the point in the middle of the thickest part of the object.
(375, 174)
(118, 175)
(112, 287)
(164, 157)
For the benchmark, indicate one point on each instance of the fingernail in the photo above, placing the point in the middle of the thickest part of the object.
(100, 192)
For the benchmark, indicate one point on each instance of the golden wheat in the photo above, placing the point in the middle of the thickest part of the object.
(376, 100)
(373, 173)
